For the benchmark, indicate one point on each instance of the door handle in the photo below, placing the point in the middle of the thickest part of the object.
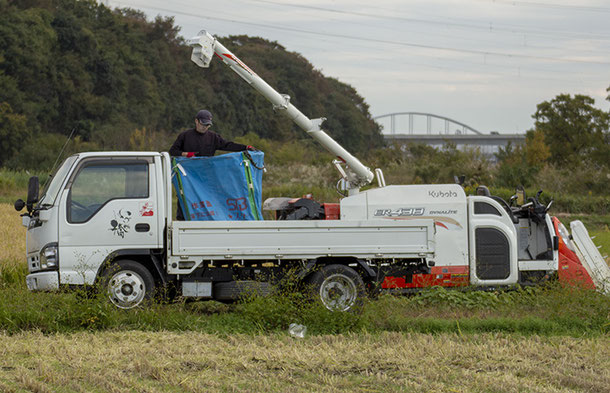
(142, 227)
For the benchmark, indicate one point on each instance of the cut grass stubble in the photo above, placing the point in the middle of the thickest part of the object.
(388, 362)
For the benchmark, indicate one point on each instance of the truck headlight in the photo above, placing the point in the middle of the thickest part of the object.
(49, 257)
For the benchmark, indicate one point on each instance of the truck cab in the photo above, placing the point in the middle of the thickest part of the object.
(96, 205)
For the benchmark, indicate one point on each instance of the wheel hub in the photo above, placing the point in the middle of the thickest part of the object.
(338, 292)
(335, 292)
(126, 289)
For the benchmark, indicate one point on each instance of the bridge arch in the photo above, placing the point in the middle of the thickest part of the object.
(392, 117)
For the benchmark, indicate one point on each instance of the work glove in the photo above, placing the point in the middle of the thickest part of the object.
(251, 148)
(190, 154)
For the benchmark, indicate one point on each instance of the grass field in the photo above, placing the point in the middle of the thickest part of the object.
(532, 340)
(389, 362)
(12, 245)
(14, 184)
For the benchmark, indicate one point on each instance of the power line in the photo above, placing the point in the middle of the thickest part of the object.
(427, 33)
(570, 7)
(391, 42)
(475, 68)
(517, 71)
(485, 27)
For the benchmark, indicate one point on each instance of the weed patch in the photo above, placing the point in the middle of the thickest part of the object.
(540, 311)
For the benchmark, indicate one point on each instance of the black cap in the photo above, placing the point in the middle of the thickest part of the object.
(205, 117)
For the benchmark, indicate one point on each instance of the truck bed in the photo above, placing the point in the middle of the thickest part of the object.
(272, 240)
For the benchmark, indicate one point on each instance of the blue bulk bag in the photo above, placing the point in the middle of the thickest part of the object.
(221, 188)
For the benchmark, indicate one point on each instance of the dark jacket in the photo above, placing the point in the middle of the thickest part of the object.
(204, 144)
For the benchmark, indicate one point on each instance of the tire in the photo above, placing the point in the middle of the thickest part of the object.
(128, 284)
(339, 287)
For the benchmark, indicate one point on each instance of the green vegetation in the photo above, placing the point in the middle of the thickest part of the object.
(602, 240)
(573, 128)
(14, 184)
(551, 310)
(308, 171)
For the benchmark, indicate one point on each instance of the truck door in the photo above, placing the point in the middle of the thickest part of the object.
(108, 205)
(492, 243)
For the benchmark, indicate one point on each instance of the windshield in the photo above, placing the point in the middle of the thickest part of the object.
(52, 189)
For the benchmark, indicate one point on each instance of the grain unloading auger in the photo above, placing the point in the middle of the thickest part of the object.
(355, 175)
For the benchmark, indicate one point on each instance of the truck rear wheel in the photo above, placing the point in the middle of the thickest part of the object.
(128, 284)
(339, 287)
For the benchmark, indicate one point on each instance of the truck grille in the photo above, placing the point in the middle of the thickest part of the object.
(34, 262)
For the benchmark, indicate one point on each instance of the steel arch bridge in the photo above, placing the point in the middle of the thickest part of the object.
(448, 123)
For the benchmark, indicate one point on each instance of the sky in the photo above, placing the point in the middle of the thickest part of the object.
(484, 63)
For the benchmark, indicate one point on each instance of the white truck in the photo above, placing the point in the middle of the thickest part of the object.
(106, 217)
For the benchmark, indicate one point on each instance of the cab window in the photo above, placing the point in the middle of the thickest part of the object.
(98, 183)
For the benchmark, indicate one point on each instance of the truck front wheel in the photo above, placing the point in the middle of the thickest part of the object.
(340, 287)
(128, 284)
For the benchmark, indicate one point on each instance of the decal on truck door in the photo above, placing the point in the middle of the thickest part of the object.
(120, 225)
(147, 209)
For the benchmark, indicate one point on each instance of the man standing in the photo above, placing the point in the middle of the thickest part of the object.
(201, 142)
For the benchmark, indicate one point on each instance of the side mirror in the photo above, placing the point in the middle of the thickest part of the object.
(33, 186)
(19, 205)
(483, 191)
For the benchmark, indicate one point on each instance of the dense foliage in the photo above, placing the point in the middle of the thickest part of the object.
(574, 129)
(120, 82)
(567, 151)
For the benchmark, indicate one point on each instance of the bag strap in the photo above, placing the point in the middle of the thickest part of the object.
(251, 200)
(180, 190)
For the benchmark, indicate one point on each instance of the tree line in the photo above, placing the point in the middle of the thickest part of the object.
(112, 77)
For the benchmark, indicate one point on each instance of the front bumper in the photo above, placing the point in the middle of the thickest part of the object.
(43, 281)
